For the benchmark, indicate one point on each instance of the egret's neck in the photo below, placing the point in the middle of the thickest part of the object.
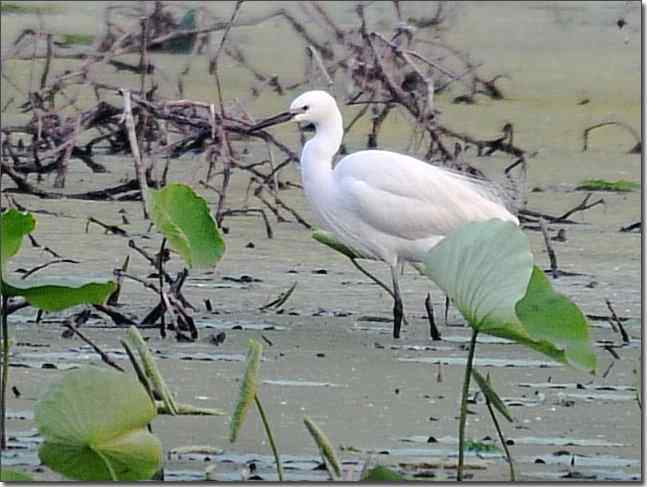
(316, 158)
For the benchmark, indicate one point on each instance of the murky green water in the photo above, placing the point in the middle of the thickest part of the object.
(556, 54)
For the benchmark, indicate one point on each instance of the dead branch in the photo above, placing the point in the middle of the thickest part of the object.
(618, 323)
(549, 248)
(636, 149)
(584, 205)
(47, 264)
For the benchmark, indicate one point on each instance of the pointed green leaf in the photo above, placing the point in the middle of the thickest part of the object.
(325, 448)
(57, 297)
(380, 473)
(14, 225)
(94, 426)
(247, 389)
(329, 240)
(484, 268)
(184, 219)
(10, 475)
(151, 370)
(491, 395)
(549, 316)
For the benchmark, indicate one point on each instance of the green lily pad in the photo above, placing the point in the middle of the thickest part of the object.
(380, 473)
(184, 219)
(57, 297)
(486, 269)
(94, 426)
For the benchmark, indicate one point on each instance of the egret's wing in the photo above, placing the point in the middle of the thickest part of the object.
(406, 198)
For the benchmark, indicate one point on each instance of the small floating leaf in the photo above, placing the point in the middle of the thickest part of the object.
(247, 389)
(491, 395)
(380, 473)
(184, 219)
(325, 448)
(68, 39)
(94, 426)
(480, 446)
(620, 185)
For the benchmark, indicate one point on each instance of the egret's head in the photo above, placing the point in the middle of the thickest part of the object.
(311, 107)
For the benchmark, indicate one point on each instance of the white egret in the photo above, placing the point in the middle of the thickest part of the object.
(384, 205)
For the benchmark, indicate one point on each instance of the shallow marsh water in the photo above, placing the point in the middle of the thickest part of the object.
(332, 356)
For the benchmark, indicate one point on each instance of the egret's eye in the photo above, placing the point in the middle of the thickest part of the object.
(305, 108)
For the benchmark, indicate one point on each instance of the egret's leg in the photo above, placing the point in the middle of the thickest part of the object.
(397, 305)
(379, 283)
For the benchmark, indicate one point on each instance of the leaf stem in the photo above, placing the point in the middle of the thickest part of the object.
(113, 475)
(161, 284)
(270, 438)
(463, 416)
(5, 374)
(501, 439)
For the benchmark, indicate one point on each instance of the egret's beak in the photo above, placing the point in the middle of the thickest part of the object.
(275, 120)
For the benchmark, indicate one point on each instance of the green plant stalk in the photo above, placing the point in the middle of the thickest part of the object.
(463, 416)
(325, 448)
(160, 271)
(270, 438)
(501, 439)
(5, 374)
(150, 368)
(113, 475)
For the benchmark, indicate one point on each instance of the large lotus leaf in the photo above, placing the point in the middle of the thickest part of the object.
(484, 268)
(94, 426)
(57, 297)
(14, 225)
(184, 219)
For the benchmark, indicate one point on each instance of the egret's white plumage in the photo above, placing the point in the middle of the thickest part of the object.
(386, 206)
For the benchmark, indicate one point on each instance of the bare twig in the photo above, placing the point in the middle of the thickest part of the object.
(549, 248)
(104, 356)
(614, 319)
(134, 147)
(47, 264)
(636, 149)
(281, 299)
(584, 205)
